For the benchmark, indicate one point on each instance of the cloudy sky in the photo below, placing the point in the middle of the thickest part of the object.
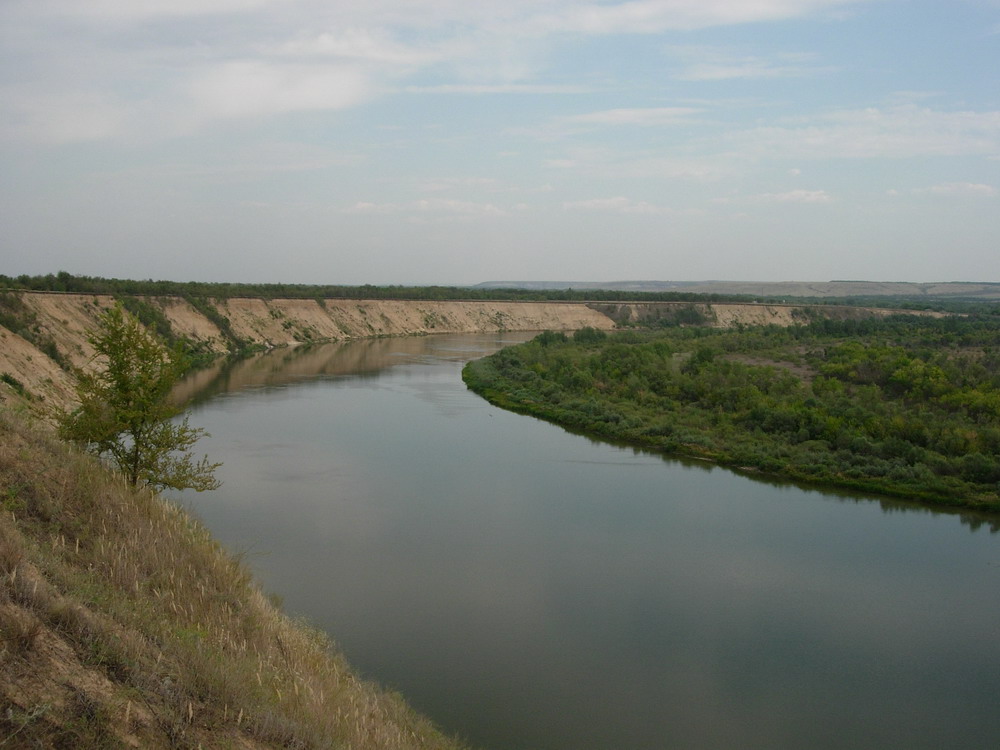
(456, 141)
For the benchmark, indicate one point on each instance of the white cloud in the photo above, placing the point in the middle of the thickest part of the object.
(698, 170)
(363, 44)
(597, 204)
(649, 116)
(520, 16)
(463, 183)
(971, 189)
(122, 11)
(795, 196)
(495, 88)
(894, 132)
(449, 206)
(618, 204)
(60, 117)
(643, 164)
(744, 68)
(257, 58)
(253, 88)
(558, 128)
(714, 64)
(653, 16)
(260, 159)
(367, 207)
(232, 90)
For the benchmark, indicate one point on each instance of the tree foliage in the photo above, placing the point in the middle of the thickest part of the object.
(197, 290)
(125, 414)
(905, 405)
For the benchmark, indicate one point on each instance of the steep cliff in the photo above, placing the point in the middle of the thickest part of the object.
(43, 334)
(40, 330)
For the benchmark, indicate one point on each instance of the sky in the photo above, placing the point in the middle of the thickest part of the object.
(456, 142)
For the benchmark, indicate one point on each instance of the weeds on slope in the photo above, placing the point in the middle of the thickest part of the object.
(174, 644)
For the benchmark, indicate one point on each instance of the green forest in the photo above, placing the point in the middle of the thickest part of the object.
(904, 405)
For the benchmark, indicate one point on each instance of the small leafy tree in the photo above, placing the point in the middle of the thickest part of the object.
(124, 412)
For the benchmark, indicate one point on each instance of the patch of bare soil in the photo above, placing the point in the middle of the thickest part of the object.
(729, 316)
(187, 321)
(802, 372)
(36, 373)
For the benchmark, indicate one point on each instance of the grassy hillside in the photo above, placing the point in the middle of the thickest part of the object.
(123, 624)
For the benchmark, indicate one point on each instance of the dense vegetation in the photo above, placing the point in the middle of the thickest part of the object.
(905, 405)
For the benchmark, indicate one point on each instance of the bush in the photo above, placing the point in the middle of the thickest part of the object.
(588, 335)
(124, 411)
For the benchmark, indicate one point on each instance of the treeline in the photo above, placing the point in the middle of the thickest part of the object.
(906, 405)
(66, 282)
(953, 304)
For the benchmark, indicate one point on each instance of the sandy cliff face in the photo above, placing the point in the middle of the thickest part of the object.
(65, 319)
(731, 314)
(39, 374)
(284, 322)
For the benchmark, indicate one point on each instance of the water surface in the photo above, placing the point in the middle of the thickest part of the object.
(529, 588)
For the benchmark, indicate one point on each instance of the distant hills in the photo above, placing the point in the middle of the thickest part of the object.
(771, 289)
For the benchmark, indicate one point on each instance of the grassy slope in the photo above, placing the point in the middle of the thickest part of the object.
(123, 624)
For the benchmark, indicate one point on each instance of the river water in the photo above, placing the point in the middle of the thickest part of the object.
(532, 589)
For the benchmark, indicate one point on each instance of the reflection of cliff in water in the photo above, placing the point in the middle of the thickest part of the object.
(279, 367)
(358, 359)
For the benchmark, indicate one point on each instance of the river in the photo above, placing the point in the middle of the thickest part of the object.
(532, 589)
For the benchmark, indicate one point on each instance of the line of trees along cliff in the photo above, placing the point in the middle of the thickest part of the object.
(63, 281)
(66, 282)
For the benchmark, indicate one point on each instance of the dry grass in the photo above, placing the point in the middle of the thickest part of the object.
(123, 624)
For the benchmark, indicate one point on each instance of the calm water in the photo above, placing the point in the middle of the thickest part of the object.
(532, 589)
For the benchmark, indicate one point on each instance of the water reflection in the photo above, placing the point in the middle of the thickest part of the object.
(369, 357)
(975, 520)
(284, 366)
(530, 588)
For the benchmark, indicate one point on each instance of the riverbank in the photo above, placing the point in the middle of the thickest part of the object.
(43, 334)
(124, 624)
(830, 405)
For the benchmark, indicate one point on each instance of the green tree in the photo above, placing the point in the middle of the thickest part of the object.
(588, 335)
(125, 414)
